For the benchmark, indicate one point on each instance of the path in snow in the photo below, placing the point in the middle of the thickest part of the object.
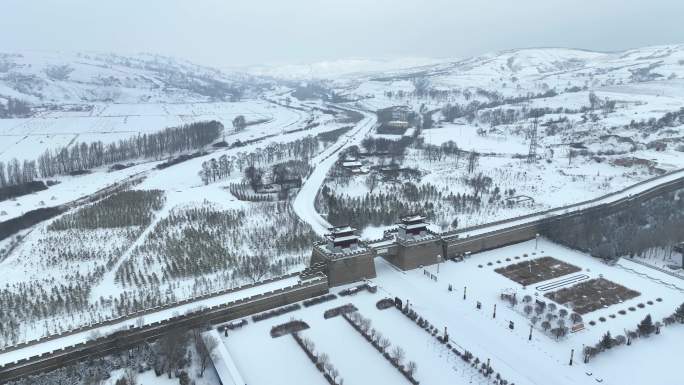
(304, 202)
(108, 285)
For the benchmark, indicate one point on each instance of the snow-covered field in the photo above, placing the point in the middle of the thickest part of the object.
(27, 138)
(543, 360)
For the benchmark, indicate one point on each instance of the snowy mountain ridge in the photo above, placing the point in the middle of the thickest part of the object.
(558, 67)
(520, 68)
(56, 77)
(348, 67)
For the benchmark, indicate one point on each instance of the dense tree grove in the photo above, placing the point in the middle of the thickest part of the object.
(97, 370)
(213, 170)
(376, 209)
(669, 119)
(658, 222)
(203, 240)
(17, 190)
(83, 156)
(132, 208)
(300, 150)
(402, 192)
(170, 356)
(333, 135)
(469, 111)
(374, 145)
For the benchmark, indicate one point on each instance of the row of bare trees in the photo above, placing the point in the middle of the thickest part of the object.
(172, 140)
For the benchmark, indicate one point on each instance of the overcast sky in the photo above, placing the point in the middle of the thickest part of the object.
(248, 32)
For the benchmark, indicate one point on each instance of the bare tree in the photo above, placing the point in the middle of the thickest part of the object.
(365, 324)
(528, 309)
(173, 346)
(255, 267)
(239, 123)
(411, 368)
(205, 347)
(372, 181)
(309, 345)
(472, 161)
(324, 359)
(398, 354)
(385, 343)
(329, 367)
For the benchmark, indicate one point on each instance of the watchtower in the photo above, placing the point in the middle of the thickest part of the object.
(416, 244)
(346, 258)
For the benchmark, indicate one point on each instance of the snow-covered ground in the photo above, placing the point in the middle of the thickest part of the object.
(543, 360)
(28, 138)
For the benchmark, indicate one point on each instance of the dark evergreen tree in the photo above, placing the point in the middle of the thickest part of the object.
(646, 327)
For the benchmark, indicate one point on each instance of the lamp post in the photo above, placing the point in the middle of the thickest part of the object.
(572, 353)
(536, 241)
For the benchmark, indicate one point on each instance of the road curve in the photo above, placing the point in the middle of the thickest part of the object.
(304, 202)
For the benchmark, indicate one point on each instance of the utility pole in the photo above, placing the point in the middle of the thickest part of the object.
(464, 292)
(532, 155)
(494, 315)
(572, 353)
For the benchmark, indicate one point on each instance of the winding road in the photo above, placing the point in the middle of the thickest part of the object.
(304, 202)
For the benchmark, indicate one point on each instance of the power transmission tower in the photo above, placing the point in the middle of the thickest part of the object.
(532, 155)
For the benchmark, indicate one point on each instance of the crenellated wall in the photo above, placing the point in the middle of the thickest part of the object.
(345, 269)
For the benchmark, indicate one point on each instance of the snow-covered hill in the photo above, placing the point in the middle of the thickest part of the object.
(52, 77)
(353, 67)
(520, 71)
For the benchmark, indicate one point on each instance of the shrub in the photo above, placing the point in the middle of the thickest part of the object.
(336, 311)
(384, 303)
(275, 312)
(293, 326)
(317, 300)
